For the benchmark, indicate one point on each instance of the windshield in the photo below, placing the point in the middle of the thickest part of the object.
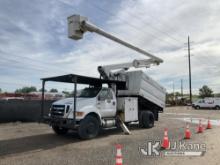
(89, 92)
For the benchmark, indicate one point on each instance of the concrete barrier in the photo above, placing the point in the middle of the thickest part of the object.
(21, 110)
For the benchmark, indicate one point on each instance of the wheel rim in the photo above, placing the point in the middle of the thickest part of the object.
(91, 128)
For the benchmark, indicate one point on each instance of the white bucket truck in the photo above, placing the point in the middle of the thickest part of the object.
(128, 96)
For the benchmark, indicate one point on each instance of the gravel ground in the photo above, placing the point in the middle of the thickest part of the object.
(36, 144)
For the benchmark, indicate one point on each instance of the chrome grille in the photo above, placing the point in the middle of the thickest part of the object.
(57, 110)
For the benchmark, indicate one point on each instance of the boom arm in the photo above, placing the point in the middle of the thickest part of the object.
(105, 71)
(78, 25)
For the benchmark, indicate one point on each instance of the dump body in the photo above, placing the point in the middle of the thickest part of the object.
(139, 84)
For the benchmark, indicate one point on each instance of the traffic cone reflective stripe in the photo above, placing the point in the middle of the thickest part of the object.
(165, 133)
(119, 160)
(200, 127)
(166, 143)
(209, 126)
(187, 132)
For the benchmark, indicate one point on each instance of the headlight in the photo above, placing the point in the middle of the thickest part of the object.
(49, 113)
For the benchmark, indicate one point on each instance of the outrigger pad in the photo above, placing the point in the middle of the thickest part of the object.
(123, 126)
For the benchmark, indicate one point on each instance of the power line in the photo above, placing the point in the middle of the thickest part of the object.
(207, 59)
(129, 24)
(160, 22)
(155, 28)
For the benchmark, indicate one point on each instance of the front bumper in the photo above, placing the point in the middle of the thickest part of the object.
(61, 122)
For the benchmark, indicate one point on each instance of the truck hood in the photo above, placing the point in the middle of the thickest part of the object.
(80, 102)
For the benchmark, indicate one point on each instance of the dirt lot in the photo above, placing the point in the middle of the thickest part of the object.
(36, 144)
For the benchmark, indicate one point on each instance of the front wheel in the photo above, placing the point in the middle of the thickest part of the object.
(59, 130)
(89, 128)
(197, 107)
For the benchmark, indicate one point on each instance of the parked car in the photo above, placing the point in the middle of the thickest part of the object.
(213, 103)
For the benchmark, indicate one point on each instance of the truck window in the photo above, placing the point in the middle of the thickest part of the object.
(201, 101)
(105, 94)
(110, 95)
(89, 92)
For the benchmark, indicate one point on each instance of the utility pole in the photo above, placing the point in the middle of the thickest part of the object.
(174, 99)
(190, 84)
(182, 88)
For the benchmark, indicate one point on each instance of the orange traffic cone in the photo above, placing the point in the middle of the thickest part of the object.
(118, 155)
(166, 142)
(209, 126)
(187, 132)
(200, 127)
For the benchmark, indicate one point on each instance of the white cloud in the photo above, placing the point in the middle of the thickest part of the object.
(158, 27)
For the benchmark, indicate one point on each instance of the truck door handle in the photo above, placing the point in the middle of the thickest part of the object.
(113, 103)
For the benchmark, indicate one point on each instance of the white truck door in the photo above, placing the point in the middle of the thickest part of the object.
(106, 103)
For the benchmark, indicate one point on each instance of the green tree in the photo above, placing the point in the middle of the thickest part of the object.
(40, 90)
(0, 90)
(54, 90)
(26, 90)
(217, 95)
(205, 91)
(67, 94)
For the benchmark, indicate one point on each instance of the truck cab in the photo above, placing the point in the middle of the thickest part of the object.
(97, 100)
(89, 109)
(93, 105)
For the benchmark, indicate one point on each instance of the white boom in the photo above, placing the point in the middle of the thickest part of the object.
(78, 25)
(106, 70)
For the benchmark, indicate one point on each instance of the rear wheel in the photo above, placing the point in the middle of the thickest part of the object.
(59, 130)
(217, 107)
(89, 127)
(146, 119)
(156, 115)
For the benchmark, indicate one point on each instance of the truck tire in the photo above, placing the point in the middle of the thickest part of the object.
(146, 119)
(59, 130)
(217, 107)
(89, 127)
(156, 115)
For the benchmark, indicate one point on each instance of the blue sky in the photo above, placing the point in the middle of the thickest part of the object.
(34, 42)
